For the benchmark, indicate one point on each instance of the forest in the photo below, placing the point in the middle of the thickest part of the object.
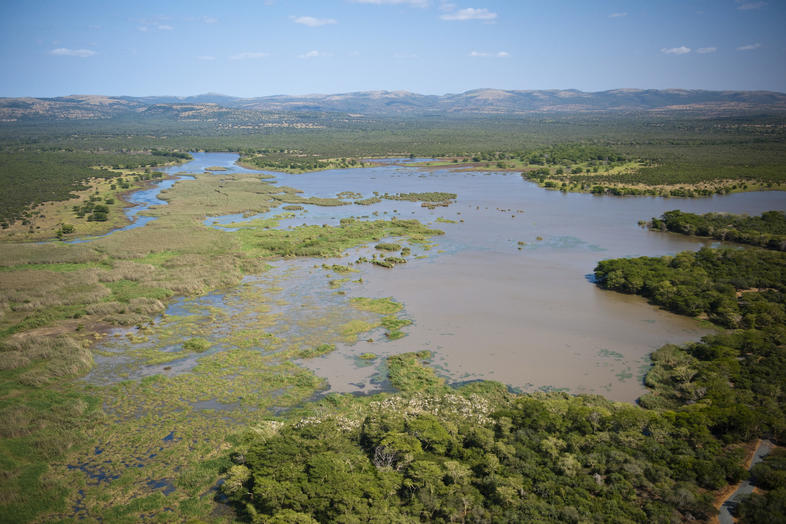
(767, 231)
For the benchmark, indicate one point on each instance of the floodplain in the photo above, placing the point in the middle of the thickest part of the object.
(240, 294)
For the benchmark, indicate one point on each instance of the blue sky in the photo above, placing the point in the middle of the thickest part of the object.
(259, 48)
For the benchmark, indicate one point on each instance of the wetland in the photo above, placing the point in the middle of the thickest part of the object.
(236, 295)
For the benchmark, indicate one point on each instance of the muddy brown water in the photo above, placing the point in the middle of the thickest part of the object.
(531, 317)
(506, 294)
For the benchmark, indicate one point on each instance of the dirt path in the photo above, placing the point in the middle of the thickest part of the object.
(731, 496)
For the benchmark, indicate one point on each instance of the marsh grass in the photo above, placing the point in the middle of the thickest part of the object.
(388, 246)
(50, 291)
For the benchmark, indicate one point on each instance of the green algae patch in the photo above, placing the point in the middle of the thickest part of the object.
(367, 356)
(350, 330)
(393, 326)
(383, 306)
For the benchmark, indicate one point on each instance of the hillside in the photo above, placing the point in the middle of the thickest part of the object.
(477, 101)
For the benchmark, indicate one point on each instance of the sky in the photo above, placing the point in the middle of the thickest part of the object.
(268, 47)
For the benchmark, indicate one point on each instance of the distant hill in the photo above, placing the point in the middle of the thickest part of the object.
(477, 101)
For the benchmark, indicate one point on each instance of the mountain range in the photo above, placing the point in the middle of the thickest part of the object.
(477, 101)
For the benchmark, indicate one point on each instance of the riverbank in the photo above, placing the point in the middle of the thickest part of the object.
(61, 220)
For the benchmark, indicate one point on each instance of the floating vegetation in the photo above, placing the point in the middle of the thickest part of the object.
(350, 330)
(336, 283)
(349, 195)
(422, 197)
(292, 207)
(387, 246)
(338, 268)
(368, 201)
(383, 306)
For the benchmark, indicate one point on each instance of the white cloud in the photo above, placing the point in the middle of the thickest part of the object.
(148, 26)
(470, 13)
(64, 51)
(499, 54)
(209, 20)
(314, 54)
(310, 21)
(206, 57)
(747, 6)
(749, 47)
(447, 6)
(706, 50)
(248, 55)
(413, 3)
(682, 50)
(617, 15)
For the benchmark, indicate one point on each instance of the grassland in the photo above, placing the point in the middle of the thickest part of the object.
(123, 445)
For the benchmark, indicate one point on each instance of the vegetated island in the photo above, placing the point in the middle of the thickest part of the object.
(767, 231)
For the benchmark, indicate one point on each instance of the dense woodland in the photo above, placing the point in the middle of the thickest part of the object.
(478, 454)
(767, 230)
